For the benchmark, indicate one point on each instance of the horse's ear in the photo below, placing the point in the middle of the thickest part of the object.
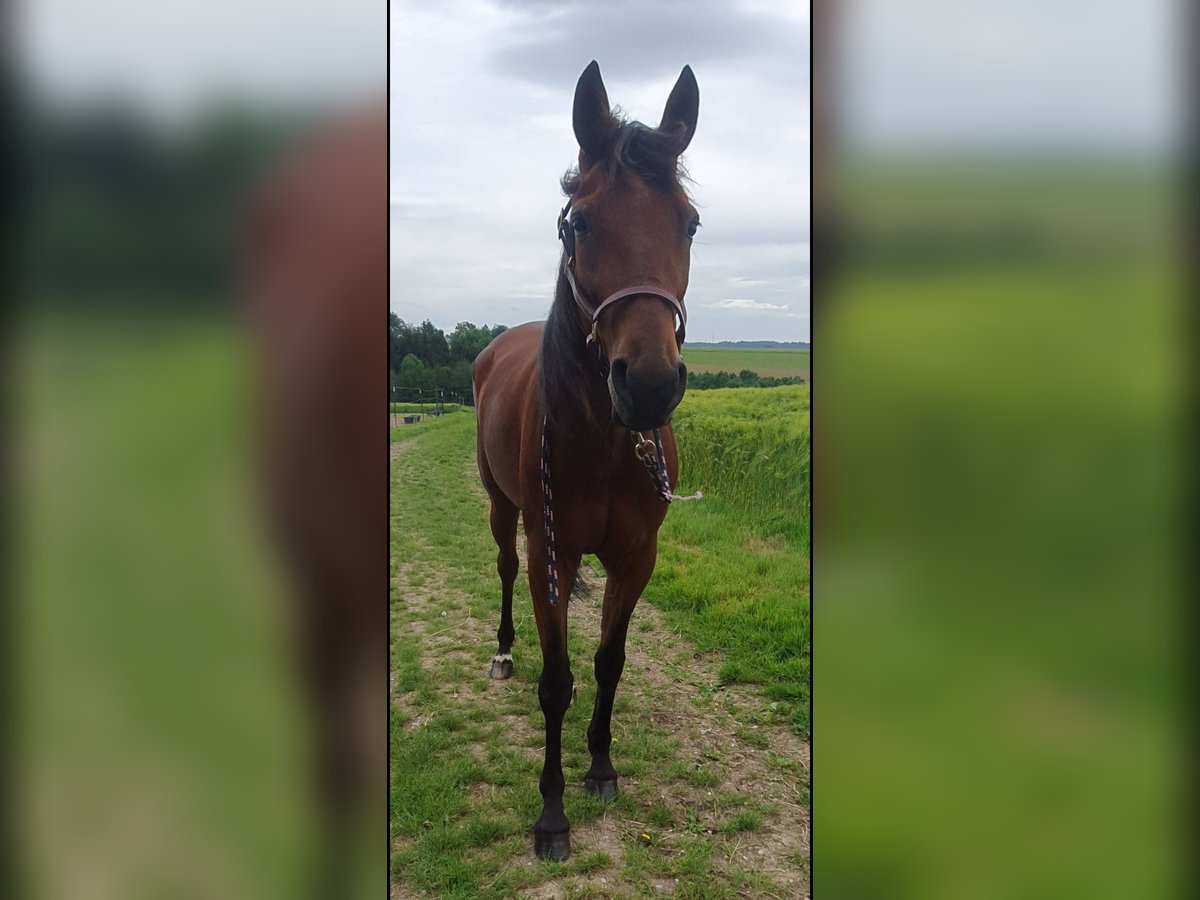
(683, 107)
(592, 118)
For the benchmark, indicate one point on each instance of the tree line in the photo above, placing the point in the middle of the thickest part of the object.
(423, 360)
(121, 210)
(700, 381)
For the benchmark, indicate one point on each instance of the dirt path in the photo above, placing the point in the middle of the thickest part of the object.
(729, 754)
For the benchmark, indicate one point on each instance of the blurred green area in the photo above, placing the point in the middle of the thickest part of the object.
(160, 741)
(128, 212)
(998, 707)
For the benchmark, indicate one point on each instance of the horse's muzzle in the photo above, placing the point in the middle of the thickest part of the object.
(644, 396)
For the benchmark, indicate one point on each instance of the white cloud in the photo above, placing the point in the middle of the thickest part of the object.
(481, 132)
(744, 304)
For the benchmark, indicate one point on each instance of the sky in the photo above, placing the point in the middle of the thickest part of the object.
(1011, 74)
(481, 94)
(481, 99)
(169, 56)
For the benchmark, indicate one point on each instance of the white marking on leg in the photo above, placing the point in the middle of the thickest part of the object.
(502, 657)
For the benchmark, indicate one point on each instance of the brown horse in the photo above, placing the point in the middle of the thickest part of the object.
(557, 405)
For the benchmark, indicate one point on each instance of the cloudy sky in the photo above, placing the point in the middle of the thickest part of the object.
(481, 111)
(481, 95)
(167, 56)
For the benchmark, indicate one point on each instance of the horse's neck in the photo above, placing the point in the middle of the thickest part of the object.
(578, 397)
(587, 408)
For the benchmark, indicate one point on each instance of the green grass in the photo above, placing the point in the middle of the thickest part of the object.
(161, 727)
(423, 407)
(449, 746)
(1004, 454)
(733, 568)
(763, 361)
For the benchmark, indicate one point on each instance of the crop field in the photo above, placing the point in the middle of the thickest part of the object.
(712, 716)
(774, 363)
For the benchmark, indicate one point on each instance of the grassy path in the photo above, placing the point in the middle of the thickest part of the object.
(714, 783)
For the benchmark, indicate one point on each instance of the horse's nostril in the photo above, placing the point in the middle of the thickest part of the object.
(619, 369)
(682, 373)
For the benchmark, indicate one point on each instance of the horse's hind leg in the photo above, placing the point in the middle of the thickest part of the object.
(626, 580)
(504, 530)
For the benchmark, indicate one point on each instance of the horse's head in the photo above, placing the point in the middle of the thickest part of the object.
(628, 239)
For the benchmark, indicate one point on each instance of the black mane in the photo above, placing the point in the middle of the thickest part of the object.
(570, 376)
(643, 151)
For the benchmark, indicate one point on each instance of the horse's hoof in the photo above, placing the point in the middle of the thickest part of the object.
(554, 846)
(604, 788)
(502, 666)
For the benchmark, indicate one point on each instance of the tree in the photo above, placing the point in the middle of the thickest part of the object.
(467, 340)
(423, 357)
(411, 375)
(399, 341)
(432, 348)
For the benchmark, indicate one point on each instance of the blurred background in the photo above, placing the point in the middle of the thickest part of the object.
(999, 439)
(181, 689)
(999, 702)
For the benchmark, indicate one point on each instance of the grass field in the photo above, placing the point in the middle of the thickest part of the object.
(418, 407)
(158, 727)
(774, 363)
(733, 569)
(713, 769)
(1002, 465)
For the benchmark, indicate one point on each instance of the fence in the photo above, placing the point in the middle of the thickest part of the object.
(408, 405)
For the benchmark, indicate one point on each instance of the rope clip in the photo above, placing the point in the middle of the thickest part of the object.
(645, 450)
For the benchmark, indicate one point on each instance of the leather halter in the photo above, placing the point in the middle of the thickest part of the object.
(567, 235)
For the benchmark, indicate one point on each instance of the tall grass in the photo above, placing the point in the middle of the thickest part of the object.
(750, 449)
(733, 568)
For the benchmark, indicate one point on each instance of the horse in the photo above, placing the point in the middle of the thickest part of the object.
(558, 402)
(315, 280)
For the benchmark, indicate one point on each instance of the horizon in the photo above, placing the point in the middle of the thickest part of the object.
(448, 329)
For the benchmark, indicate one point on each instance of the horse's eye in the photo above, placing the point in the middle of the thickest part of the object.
(579, 225)
(692, 226)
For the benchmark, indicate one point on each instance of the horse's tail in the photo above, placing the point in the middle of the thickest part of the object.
(582, 587)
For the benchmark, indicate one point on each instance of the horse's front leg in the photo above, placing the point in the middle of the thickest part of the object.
(627, 576)
(552, 832)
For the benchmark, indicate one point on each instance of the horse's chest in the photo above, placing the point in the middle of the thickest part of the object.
(607, 514)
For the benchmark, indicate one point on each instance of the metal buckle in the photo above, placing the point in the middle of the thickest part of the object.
(644, 449)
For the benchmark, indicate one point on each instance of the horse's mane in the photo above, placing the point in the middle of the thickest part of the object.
(568, 373)
(643, 151)
(567, 366)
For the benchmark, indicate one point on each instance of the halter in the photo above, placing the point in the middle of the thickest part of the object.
(566, 234)
(649, 452)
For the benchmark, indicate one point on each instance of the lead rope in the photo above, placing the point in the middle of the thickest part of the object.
(650, 452)
(548, 514)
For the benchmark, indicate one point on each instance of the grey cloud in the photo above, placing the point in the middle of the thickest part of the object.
(636, 40)
(508, 75)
